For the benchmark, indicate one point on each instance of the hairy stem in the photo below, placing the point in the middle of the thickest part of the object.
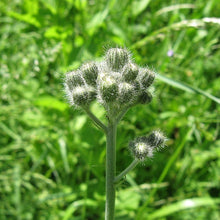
(96, 121)
(110, 170)
(124, 172)
(122, 113)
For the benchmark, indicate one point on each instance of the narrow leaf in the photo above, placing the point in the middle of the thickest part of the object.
(139, 6)
(97, 20)
(160, 33)
(51, 103)
(187, 88)
(183, 205)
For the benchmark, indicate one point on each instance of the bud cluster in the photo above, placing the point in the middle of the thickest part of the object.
(144, 147)
(116, 82)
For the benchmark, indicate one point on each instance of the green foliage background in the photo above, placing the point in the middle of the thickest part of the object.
(52, 157)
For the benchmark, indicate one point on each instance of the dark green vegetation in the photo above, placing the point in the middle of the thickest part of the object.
(51, 156)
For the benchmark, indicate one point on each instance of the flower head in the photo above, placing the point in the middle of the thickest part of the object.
(117, 82)
(140, 149)
(144, 147)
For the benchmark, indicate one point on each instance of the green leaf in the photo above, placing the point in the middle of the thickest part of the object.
(51, 5)
(63, 151)
(28, 18)
(160, 33)
(51, 102)
(31, 7)
(34, 118)
(127, 200)
(79, 122)
(183, 205)
(80, 4)
(57, 32)
(187, 88)
(76, 205)
(139, 6)
(97, 20)
(9, 132)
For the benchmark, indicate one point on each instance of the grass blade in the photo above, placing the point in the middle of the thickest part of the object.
(182, 205)
(174, 7)
(193, 23)
(187, 88)
(139, 6)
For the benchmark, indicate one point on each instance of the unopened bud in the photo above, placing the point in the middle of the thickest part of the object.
(108, 88)
(116, 58)
(91, 93)
(137, 86)
(73, 79)
(144, 97)
(90, 73)
(126, 93)
(140, 149)
(130, 72)
(156, 139)
(82, 95)
(146, 77)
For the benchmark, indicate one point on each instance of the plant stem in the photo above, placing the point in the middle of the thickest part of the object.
(110, 170)
(121, 115)
(96, 121)
(124, 172)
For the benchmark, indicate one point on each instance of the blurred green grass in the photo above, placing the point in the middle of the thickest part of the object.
(52, 157)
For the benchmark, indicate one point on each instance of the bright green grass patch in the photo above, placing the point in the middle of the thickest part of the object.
(52, 158)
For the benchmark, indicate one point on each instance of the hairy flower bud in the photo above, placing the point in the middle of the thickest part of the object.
(91, 93)
(146, 77)
(144, 97)
(73, 79)
(137, 86)
(83, 95)
(126, 93)
(156, 139)
(130, 72)
(145, 146)
(140, 149)
(90, 73)
(108, 88)
(116, 58)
